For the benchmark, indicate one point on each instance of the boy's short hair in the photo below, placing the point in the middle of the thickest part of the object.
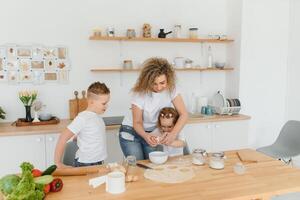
(97, 88)
(168, 112)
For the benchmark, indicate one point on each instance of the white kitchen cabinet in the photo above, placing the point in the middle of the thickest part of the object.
(198, 136)
(230, 135)
(217, 136)
(51, 140)
(17, 149)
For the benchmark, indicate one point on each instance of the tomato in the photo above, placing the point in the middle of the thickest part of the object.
(47, 188)
(36, 173)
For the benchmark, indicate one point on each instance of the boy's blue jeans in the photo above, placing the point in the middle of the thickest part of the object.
(138, 147)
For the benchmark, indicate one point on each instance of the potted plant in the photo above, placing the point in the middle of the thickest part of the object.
(2, 113)
(27, 98)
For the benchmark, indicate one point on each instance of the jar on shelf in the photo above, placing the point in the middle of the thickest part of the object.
(199, 156)
(177, 31)
(127, 64)
(131, 33)
(216, 160)
(97, 32)
(193, 33)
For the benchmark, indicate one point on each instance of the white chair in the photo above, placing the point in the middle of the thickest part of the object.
(287, 145)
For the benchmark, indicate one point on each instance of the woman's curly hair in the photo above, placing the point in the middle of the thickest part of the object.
(153, 68)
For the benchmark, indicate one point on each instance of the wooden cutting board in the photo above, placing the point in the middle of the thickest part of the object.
(77, 104)
(248, 155)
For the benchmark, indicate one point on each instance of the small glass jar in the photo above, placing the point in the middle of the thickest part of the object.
(131, 165)
(193, 33)
(216, 160)
(131, 33)
(199, 156)
(97, 32)
(177, 31)
(127, 64)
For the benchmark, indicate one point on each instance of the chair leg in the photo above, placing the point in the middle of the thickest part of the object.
(287, 162)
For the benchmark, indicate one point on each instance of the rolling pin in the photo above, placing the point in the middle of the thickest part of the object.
(80, 171)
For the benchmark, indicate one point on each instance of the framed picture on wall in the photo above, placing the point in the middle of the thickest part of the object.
(50, 64)
(25, 77)
(24, 64)
(37, 64)
(51, 76)
(3, 76)
(62, 52)
(38, 77)
(11, 52)
(63, 64)
(12, 77)
(50, 53)
(12, 64)
(37, 52)
(2, 63)
(2, 52)
(24, 52)
(63, 76)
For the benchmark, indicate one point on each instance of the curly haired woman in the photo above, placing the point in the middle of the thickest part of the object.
(154, 90)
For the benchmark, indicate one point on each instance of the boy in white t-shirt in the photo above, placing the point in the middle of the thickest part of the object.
(167, 119)
(89, 129)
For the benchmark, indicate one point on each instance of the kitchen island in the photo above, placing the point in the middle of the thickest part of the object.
(265, 178)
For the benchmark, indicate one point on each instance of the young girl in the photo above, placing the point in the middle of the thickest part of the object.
(166, 121)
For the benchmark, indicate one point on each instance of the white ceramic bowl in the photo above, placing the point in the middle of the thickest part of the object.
(158, 157)
(45, 116)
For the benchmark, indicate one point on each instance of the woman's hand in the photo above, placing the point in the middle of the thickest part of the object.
(168, 138)
(151, 140)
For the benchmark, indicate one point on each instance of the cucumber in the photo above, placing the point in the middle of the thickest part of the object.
(49, 170)
(46, 179)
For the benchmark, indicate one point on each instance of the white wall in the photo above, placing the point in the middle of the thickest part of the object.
(66, 22)
(263, 66)
(293, 94)
(234, 18)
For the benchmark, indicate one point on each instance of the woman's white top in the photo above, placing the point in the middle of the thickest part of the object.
(150, 104)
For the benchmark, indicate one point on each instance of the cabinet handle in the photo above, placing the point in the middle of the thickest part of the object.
(50, 139)
(38, 139)
(208, 126)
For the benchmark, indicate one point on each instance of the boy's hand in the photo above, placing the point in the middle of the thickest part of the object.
(61, 165)
(151, 140)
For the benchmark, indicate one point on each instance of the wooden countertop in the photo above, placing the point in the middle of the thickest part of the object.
(262, 179)
(7, 129)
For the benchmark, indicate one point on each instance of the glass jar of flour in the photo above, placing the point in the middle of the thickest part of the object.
(199, 156)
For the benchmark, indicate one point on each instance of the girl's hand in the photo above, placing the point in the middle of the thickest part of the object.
(151, 140)
(168, 138)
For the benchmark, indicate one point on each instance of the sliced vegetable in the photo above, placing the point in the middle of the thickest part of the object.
(56, 185)
(43, 179)
(36, 173)
(49, 170)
